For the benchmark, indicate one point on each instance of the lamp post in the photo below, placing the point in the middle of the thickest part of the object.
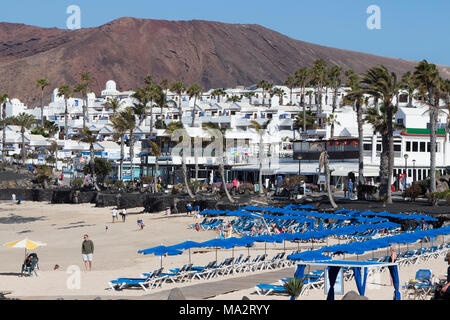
(414, 170)
(406, 169)
(299, 158)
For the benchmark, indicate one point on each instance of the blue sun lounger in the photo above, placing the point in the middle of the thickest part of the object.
(266, 289)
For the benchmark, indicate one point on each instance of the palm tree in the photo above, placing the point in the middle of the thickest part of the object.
(332, 121)
(171, 128)
(120, 129)
(325, 164)
(290, 83)
(334, 77)
(126, 120)
(82, 88)
(280, 93)
(318, 75)
(261, 130)
(426, 78)
(25, 122)
(308, 121)
(142, 96)
(266, 87)
(294, 287)
(407, 83)
(156, 152)
(87, 136)
(113, 104)
(383, 85)
(194, 91)
(218, 93)
(356, 97)
(214, 129)
(64, 91)
(249, 96)
(178, 87)
(42, 84)
(86, 80)
(234, 99)
(301, 79)
(53, 149)
(5, 122)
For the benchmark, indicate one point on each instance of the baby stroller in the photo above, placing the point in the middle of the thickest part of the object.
(30, 265)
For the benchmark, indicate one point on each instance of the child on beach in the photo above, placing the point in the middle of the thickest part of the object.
(140, 223)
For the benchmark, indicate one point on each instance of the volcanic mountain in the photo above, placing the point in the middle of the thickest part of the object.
(126, 50)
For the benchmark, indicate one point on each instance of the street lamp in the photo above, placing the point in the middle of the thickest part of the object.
(299, 158)
(406, 169)
(414, 170)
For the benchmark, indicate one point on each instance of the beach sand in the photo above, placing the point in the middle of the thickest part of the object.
(62, 227)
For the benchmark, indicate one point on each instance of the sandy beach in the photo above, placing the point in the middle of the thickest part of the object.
(62, 227)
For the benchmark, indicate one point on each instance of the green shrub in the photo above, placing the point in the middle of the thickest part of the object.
(413, 192)
(77, 183)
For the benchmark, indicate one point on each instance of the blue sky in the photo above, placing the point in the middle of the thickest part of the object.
(410, 29)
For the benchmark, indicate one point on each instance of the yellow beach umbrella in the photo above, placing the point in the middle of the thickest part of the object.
(27, 244)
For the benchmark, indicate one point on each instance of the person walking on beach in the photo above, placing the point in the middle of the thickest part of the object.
(87, 251)
(114, 214)
(124, 214)
(350, 188)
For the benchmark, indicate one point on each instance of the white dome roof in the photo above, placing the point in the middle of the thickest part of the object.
(111, 85)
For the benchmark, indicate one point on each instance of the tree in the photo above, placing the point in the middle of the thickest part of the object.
(42, 84)
(100, 169)
(87, 136)
(194, 91)
(307, 120)
(156, 152)
(3, 98)
(120, 129)
(332, 121)
(86, 80)
(290, 83)
(25, 121)
(234, 99)
(178, 87)
(65, 91)
(218, 93)
(301, 79)
(266, 87)
(127, 122)
(318, 76)
(261, 130)
(82, 88)
(215, 128)
(407, 83)
(325, 164)
(426, 78)
(356, 97)
(114, 105)
(334, 79)
(249, 95)
(172, 128)
(382, 84)
(280, 93)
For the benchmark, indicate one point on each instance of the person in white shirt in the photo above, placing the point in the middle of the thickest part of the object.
(114, 214)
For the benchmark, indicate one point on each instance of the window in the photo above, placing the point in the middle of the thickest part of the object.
(397, 147)
(422, 147)
(403, 98)
(367, 147)
(379, 147)
(400, 122)
(415, 146)
(409, 173)
(408, 145)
